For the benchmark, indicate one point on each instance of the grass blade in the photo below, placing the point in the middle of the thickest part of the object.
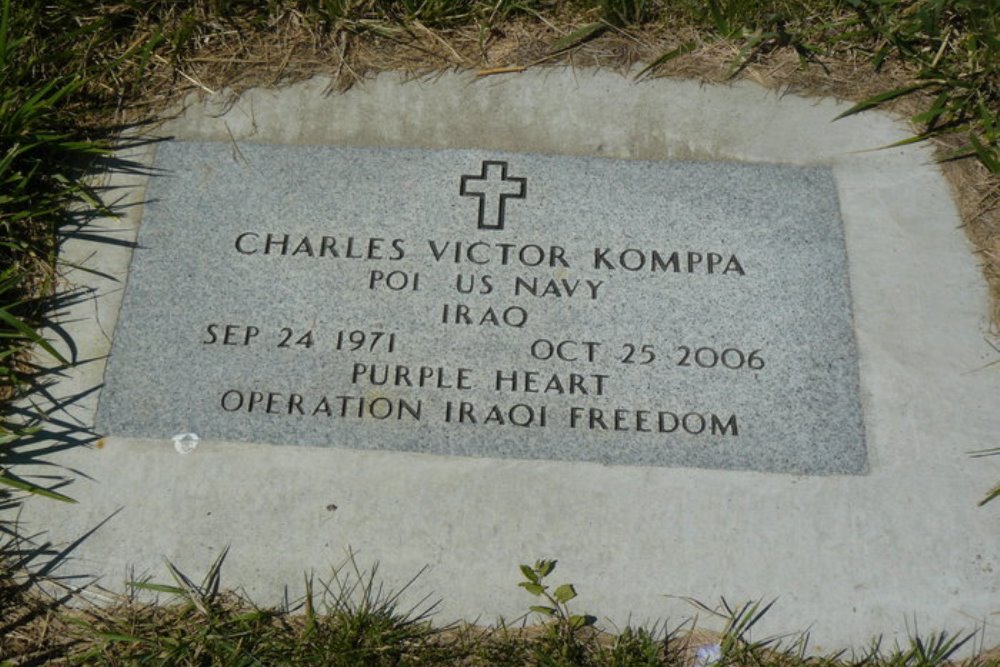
(987, 155)
(20, 484)
(992, 495)
(29, 334)
(157, 588)
(876, 100)
(681, 50)
(579, 36)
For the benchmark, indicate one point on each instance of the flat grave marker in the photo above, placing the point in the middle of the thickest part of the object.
(473, 304)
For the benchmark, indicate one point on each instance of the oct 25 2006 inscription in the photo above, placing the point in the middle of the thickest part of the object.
(501, 305)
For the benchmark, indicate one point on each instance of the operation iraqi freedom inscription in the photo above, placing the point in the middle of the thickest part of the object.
(483, 304)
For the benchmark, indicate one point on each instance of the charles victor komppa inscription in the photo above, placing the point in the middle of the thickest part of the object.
(484, 304)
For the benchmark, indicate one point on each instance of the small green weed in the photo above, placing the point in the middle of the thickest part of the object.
(561, 644)
(557, 608)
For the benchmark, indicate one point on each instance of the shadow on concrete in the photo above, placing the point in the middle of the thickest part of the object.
(45, 415)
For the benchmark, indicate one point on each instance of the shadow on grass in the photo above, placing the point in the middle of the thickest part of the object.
(42, 418)
(46, 413)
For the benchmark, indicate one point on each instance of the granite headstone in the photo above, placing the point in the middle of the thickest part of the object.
(509, 305)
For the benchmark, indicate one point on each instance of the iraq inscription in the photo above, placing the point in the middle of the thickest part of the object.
(485, 304)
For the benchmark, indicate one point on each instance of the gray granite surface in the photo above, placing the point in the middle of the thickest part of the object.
(703, 309)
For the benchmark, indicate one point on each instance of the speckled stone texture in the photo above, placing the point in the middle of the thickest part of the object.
(650, 313)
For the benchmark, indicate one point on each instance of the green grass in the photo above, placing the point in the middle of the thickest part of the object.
(41, 159)
(955, 47)
(352, 621)
(71, 70)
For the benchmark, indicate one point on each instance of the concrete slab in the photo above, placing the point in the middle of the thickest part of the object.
(848, 556)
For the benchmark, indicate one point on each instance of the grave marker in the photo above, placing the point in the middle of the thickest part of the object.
(639, 313)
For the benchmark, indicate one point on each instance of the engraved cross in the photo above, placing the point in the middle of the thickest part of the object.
(493, 188)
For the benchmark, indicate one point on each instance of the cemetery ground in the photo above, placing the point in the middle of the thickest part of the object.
(74, 74)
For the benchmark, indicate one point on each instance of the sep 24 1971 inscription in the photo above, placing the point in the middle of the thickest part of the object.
(469, 303)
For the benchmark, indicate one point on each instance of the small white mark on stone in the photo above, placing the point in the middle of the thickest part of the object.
(707, 655)
(185, 443)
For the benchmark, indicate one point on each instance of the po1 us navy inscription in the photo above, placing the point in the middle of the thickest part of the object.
(625, 312)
